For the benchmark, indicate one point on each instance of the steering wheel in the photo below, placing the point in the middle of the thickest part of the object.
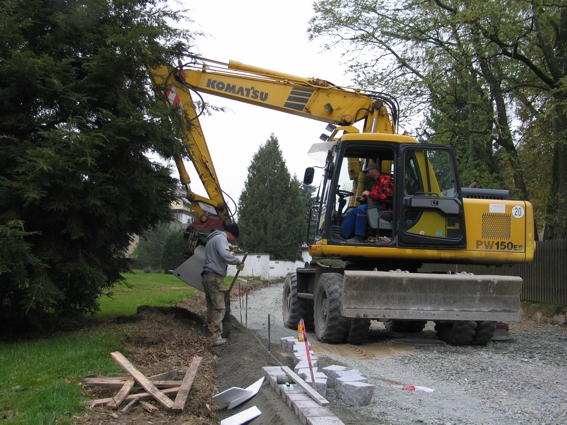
(344, 193)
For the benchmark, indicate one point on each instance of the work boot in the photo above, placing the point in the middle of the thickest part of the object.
(218, 340)
(356, 239)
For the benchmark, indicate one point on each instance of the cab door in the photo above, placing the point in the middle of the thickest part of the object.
(429, 201)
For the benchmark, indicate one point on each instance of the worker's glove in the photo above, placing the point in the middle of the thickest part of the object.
(240, 266)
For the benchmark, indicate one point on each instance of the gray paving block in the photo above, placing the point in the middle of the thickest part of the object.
(307, 404)
(304, 373)
(331, 372)
(285, 392)
(346, 379)
(349, 373)
(320, 385)
(324, 420)
(288, 343)
(355, 393)
(304, 414)
(271, 373)
(293, 397)
(303, 357)
(300, 346)
(303, 364)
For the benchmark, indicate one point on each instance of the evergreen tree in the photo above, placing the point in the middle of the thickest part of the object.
(149, 249)
(77, 117)
(172, 252)
(272, 212)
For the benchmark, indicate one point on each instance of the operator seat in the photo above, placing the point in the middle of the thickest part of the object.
(378, 219)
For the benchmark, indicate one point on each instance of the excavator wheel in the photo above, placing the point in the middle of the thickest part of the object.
(456, 333)
(484, 333)
(290, 302)
(330, 326)
(357, 331)
(405, 325)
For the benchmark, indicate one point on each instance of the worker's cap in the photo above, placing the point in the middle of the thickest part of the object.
(233, 229)
(374, 166)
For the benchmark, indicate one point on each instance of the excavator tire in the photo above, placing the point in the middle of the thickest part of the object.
(402, 326)
(330, 326)
(483, 333)
(306, 313)
(294, 308)
(357, 331)
(456, 333)
(291, 309)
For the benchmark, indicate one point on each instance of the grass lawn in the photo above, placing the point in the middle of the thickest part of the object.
(40, 379)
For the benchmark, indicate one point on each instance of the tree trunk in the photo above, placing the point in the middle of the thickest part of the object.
(556, 223)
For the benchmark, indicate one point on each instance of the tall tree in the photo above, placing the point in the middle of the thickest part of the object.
(77, 117)
(514, 49)
(271, 209)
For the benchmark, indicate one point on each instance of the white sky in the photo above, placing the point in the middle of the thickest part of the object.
(270, 35)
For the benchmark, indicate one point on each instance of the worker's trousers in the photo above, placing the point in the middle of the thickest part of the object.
(355, 222)
(212, 282)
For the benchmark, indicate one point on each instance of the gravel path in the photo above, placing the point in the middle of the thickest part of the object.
(519, 381)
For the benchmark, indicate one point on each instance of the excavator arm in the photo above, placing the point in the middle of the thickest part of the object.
(212, 211)
(306, 97)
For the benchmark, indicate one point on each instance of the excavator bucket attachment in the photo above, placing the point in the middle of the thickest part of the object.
(420, 296)
(190, 271)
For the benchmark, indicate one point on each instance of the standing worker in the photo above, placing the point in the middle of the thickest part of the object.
(217, 259)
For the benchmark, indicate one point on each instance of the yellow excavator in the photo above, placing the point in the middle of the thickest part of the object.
(429, 217)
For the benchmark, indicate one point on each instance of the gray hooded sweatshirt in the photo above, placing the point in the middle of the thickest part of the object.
(218, 255)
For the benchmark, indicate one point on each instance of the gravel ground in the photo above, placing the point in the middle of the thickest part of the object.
(519, 381)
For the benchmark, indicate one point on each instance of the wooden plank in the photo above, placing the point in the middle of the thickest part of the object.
(148, 407)
(114, 383)
(142, 380)
(142, 396)
(310, 391)
(186, 385)
(133, 402)
(111, 380)
(122, 394)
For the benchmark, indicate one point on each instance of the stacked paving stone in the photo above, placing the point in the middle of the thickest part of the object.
(307, 410)
(350, 385)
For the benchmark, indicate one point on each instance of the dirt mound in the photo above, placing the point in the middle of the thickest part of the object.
(162, 339)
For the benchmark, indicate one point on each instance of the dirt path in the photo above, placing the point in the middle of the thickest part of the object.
(519, 381)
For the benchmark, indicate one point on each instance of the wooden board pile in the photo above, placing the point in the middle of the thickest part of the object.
(158, 387)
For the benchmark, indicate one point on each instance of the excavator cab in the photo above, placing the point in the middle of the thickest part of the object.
(426, 209)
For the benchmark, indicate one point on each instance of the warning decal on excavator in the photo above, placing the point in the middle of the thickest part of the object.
(298, 98)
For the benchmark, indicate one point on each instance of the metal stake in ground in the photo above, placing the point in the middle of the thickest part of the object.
(308, 355)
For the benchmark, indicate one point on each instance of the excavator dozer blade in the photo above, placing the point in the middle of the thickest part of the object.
(190, 271)
(421, 296)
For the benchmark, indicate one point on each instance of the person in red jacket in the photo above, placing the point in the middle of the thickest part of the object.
(354, 225)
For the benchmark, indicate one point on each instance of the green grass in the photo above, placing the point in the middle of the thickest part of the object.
(40, 380)
(154, 289)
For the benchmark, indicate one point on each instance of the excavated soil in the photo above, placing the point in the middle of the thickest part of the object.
(162, 339)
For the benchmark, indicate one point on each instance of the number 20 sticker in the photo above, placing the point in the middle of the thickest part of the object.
(518, 211)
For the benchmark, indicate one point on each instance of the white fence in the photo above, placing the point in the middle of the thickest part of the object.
(260, 265)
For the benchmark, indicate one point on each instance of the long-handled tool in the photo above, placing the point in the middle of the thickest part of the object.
(308, 355)
(237, 273)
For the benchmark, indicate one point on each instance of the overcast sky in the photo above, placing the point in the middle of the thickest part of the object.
(270, 35)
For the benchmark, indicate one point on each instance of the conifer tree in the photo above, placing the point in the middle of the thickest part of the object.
(77, 118)
(271, 210)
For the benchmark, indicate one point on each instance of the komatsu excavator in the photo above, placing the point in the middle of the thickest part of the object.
(430, 219)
